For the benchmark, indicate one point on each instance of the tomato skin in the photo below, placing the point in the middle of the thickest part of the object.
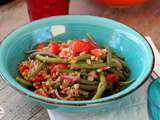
(41, 45)
(78, 45)
(38, 78)
(58, 66)
(64, 45)
(120, 2)
(112, 77)
(22, 68)
(40, 92)
(54, 47)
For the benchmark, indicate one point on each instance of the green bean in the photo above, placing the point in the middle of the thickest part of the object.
(49, 78)
(118, 56)
(123, 63)
(65, 70)
(126, 74)
(31, 51)
(78, 98)
(82, 57)
(87, 66)
(88, 87)
(84, 93)
(41, 53)
(87, 82)
(117, 63)
(50, 59)
(36, 70)
(84, 73)
(109, 56)
(57, 85)
(24, 82)
(126, 69)
(126, 82)
(101, 87)
(90, 37)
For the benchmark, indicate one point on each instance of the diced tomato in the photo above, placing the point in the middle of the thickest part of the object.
(78, 45)
(22, 68)
(40, 92)
(41, 45)
(58, 66)
(96, 52)
(54, 47)
(64, 45)
(38, 78)
(112, 77)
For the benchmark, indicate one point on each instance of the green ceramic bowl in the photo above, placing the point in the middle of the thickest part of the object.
(123, 39)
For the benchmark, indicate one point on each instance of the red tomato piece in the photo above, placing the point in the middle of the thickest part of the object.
(96, 52)
(78, 45)
(41, 45)
(38, 78)
(112, 77)
(64, 45)
(58, 66)
(40, 92)
(54, 47)
(22, 68)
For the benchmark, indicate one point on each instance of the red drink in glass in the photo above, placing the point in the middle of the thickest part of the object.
(44, 8)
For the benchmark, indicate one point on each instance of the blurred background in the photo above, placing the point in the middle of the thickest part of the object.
(145, 18)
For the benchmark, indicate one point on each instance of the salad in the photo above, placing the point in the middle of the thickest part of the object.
(77, 69)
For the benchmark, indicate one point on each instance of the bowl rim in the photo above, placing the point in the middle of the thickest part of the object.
(85, 102)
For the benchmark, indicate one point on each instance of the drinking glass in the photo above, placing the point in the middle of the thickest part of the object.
(44, 8)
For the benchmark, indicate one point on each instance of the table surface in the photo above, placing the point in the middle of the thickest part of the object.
(144, 18)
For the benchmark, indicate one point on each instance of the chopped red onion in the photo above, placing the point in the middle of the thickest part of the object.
(72, 78)
(58, 95)
(103, 68)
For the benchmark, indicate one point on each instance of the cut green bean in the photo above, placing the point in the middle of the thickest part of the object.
(87, 66)
(82, 57)
(24, 82)
(122, 62)
(87, 82)
(118, 56)
(126, 82)
(126, 74)
(90, 37)
(57, 85)
(117, 63)
(30, 51)
(84, 73)
(41, 53)
(126, 69)
(109, 56)
(36, 70)
(101, 87)
(50, 59)
(88, 87)
(84, 93)
(65, 70)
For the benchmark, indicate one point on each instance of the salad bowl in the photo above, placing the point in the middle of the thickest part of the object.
(121, 38)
